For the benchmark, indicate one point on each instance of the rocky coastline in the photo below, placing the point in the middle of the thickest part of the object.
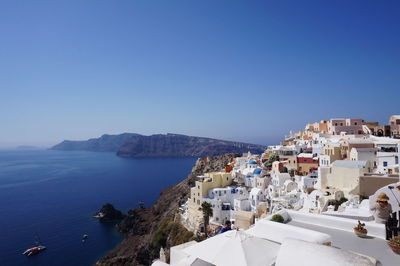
(148, 228)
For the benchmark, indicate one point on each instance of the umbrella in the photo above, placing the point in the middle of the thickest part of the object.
(235, 248)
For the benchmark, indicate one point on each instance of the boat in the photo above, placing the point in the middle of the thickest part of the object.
(33, 250)
(36, 249)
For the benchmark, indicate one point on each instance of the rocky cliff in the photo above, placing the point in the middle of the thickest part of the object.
(143, 227)
(104, 143)
(174, 145)
(160, 145)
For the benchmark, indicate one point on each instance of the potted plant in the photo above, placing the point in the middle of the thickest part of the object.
(278, 218)
(394, 244)
(360, 230)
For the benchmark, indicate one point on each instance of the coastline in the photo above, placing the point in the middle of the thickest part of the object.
(139, 228)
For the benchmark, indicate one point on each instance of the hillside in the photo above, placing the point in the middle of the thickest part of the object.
(142, 225)
(160, 145)
(104, 143)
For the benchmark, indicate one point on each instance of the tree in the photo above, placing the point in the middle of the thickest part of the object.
(292, 172)
(272, 158)
(207, 210)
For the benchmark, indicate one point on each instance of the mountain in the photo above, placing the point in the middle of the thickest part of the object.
(160, 145)
(174, 145)
(104, 143)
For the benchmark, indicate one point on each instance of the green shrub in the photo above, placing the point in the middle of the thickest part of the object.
(343, 199)
(277, 218)
(170, 233)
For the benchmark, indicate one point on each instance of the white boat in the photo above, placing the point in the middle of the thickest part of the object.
(33, 250)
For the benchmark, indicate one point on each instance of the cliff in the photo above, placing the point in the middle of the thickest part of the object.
(104, 143)
(168, 145)
(147, 229)
(174, 145)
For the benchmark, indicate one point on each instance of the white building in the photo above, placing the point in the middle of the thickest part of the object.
(256, 197)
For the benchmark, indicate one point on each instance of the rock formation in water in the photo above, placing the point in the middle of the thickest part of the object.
(146, 228)
(109, 214)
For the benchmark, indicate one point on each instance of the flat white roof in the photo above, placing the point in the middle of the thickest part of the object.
(305, 155)
(349, 164)
(374, 247)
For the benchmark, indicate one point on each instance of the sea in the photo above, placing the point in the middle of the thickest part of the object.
(49, 197)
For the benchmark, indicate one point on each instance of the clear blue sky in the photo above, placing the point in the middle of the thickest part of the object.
(239, 70)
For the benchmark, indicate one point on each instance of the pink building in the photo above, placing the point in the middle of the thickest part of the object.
(351, 126)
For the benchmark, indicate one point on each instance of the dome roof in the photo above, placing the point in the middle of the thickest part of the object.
(257, 171)
(252, 162)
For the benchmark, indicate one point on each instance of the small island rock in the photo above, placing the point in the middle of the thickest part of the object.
(108, 213)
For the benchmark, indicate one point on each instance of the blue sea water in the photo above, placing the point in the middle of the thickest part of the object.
(53, 194)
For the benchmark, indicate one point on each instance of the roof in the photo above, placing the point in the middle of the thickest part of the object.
(278, 232)
(235, 248)
(360, 141)
(349, 164)
(252, 162)
(374, 246)
(365, 149)
(283, 175)
(305, 155)
(385, 140)
(255, 190)
(257, 171)
(294, 251)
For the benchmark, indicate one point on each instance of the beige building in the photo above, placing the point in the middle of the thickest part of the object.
(200, 190)
(394, 123)
(244, 219)
(347, 145)
(330, 153)
(292, 163)
(364, 154)
(370, 183)
(345, 176)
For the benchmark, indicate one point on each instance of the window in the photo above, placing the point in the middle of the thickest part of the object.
(355, 123)
(341, 124)
(385, 164)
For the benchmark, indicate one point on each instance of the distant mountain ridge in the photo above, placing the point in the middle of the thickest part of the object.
(159, 145)
(104, 143)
